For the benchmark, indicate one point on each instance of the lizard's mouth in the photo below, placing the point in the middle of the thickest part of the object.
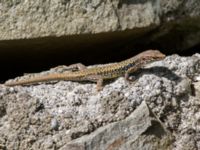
(162, 56)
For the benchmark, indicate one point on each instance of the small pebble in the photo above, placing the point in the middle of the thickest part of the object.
(54, 124)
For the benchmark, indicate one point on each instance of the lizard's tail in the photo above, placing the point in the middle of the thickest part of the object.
(37, 79)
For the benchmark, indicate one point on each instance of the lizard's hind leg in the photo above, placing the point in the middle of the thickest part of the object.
(76, 67)
(98, 79)
(73, 67)
(99, 84)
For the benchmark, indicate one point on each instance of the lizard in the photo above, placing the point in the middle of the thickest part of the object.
(97, 74)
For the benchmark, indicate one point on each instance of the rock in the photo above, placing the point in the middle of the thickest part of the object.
(189, 126)
(24, 19)
(140, 130)
(164, 99)
(196, 89)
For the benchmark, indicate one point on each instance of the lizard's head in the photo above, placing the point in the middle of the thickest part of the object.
(152, 55)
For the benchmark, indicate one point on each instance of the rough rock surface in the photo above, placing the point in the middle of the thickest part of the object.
(160, 110)
(24, 19)
(141, 130)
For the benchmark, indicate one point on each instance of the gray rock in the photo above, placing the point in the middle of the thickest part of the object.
(26, 20)
(169, 88)
(54, 124)
(140, 130)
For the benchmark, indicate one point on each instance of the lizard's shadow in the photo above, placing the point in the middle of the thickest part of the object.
(158, 71)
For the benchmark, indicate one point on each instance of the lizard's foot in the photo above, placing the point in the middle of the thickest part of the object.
(98, 88)
(130, 79)
(60, 69)
(99, 84)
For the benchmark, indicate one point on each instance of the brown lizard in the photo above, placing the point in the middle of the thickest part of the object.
(97, 74)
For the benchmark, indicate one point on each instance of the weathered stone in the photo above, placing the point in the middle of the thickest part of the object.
(56, 115)
(25, 19)
(141, 130)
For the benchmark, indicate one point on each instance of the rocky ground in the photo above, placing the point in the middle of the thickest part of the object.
(160, 110)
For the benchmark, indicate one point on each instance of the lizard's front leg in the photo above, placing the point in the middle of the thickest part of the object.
(127, 73)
